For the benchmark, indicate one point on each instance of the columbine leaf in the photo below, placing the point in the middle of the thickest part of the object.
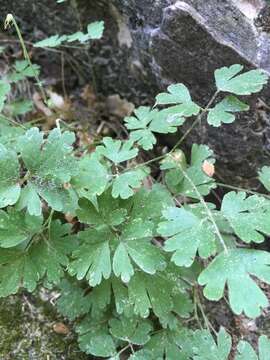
(92, 178)
(176, 181)
(20, 107)
(149, 204)
(264, 177)
(179, 94)
(248, 216)
(51, 41)
(95, 30)
(109, 211)
(125, 183)
(229, 80)
(223, 111)
(148, 121)
(141, 132)
(187, 233)
(169, 345)
(16, 227)
(166, 121)
(133, 330)
(73, 301)
(24, 269)
(9, 134)
(4, 90)
(77, 36)
(52, 167)
(94, 338)
(51, 257)
(134, 244)
(246, 352)
(92, 259)
(117, 151)
(234, 268)
(203, 341)
(9, 177)
(22, 70)
(146, 292)
(30, 200)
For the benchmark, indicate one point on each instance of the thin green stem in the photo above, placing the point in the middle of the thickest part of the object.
(205, 318)
(13, 122)
(242, 189)
(208, 211)
(180, 141)
(11, 20)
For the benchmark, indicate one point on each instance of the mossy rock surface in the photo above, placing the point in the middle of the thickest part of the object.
(27, 330)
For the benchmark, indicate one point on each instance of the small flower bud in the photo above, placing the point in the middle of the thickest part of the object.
(8, 21)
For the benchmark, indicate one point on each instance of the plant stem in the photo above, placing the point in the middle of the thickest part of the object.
(10, 19)
(179, 142)
(242, 189)
(208, 211)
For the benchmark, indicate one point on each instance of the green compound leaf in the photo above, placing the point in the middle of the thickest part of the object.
(125, 183)
(95, 339)
(44, 259)
(146, 292)
(9, 134)
(17, 227)
(147, 121)
(73, 302)
(223, 111)
(229, 80)
(187, 232)
(92, 260)
(108, 211)
(264, 177)
(4, 90)
(249, 217)
(52, 41)
(235, 268)
(169, 345)
(93, 257)
(134, 244)
(117, 151)
(178, 184)
(178, 94)
(139, 124)
(29, 199)
(246, 352)
(205, 348)
(95, 30)
(22, 70)
(51, 168)
(132, 330)
(149, 204)
(9, 177)
(92, 178)
(20, 107)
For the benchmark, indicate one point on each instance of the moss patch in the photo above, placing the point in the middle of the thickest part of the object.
(26, 331)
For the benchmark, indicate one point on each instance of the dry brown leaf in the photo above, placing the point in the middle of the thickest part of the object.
(88, 95)
(40, 105)
(60, 328)
(119, 107)
(208, 168)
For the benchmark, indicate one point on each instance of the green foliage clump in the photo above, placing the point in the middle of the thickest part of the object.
(137, 253)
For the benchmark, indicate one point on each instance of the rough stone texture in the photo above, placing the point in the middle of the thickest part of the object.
(185, 41)
(26, 330)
